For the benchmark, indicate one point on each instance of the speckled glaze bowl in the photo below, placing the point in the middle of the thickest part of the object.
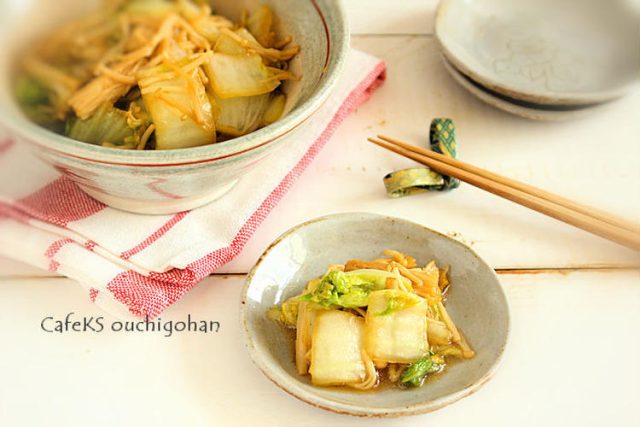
(528, 110)
(570, 52)
(475, 301)
(170, 181)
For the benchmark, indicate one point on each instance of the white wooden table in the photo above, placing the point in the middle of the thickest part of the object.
(575, 303)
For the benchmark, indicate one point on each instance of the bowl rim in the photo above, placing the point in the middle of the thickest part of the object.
(337, 39)
(477, 90)
(283, 380)
(514, 91)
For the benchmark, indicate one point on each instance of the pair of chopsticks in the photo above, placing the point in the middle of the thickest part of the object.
(589, 219)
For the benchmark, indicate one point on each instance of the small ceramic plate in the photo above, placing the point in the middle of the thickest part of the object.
(475, 301)
(543, 51)
(524, 109)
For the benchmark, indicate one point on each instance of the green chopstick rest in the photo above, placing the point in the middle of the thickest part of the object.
(442, 139)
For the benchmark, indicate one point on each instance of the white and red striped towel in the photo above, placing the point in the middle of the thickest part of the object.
(140, 265)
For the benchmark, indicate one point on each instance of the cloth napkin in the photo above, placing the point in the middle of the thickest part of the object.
(137, 264)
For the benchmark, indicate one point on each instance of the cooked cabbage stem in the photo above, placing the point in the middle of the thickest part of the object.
(188, 68)
(366, 320)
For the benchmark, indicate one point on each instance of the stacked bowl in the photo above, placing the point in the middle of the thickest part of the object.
(541, 59)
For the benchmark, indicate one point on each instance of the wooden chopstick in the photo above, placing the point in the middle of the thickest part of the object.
(603, 225)
(587, 210)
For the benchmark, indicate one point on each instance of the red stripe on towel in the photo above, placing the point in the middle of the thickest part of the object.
(5, 145)
(53, 266)
(93, 293)
(155, 236)
(7, 210)
(53, 248)
(60, 203)
(144, 295)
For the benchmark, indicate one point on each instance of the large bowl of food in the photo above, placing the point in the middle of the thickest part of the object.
(159, 106)
(374, 316)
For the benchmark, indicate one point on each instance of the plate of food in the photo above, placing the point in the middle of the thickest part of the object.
(374, 316)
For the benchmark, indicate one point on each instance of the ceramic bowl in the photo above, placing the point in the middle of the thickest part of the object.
(176, 180)
(475, 301)
(543, 51)
(517, 107)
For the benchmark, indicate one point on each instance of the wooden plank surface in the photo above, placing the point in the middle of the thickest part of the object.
(572, 356)
(391, 18)
(10, 268)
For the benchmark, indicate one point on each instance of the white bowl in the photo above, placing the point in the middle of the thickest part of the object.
(475, 301)
(168, 181)
(543, 51)
(524, 109)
